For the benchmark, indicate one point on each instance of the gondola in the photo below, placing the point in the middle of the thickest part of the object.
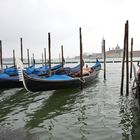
(57, 81)
(136, 83)
(9, 76)
(7, 81)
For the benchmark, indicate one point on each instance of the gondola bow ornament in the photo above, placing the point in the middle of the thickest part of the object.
(20, 69)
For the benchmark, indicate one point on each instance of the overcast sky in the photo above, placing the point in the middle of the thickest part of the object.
(33, 19)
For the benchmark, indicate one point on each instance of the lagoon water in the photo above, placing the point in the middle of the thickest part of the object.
(97, 112)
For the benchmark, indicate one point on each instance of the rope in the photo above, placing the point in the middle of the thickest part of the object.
(82, 80)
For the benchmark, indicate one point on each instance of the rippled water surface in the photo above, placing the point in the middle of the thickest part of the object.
(97, 112)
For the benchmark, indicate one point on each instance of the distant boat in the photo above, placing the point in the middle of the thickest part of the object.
(58, 81)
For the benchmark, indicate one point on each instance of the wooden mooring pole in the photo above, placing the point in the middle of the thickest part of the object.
(49, 49)
(33, 59)
(14, 62)
(127, 59)
(125, 55)
(45, 57)
(123, 60)
(33, 56)
(81, 57)
(62, 55)
(28, 57)
(104, 59)
(1, 62)
(131, 57)
(21, 49)
(42, 59)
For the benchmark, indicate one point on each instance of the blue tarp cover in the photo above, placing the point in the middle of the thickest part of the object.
(58, 77)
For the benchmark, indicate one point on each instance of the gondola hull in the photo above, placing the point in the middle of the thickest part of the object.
(10, 82)
(58, 81)
(9, 77)
(36, 84)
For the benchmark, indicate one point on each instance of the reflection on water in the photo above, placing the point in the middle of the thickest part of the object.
(60, 102)
(96, 112)
(135, 124)
(20, 99)
(130, 119)
(13, 108)
(126, 117)
(81, 120)
(18, 134)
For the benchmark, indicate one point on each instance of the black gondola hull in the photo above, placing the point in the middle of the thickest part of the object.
(33, 84)
(7, 83)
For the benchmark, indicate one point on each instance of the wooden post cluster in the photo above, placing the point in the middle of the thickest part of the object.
(125, 56)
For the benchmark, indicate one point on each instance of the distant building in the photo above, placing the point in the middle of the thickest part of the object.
(115, 52)
(136, 53)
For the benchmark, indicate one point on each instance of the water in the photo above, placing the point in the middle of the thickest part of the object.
(97, 112)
